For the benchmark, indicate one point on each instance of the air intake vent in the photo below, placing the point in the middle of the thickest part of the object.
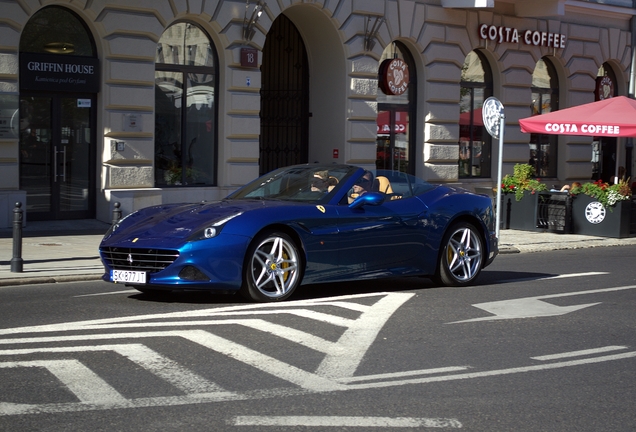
(148, 260)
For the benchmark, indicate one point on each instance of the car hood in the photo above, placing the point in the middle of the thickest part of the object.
(172, 225)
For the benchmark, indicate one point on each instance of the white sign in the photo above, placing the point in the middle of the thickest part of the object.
(133, 123)
(595, 212)
(502, 34)
(491, 114)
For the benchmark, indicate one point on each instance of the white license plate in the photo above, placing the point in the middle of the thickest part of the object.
(128, 276)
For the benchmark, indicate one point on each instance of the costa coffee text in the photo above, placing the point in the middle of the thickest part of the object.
(501, 34)
(573, 128)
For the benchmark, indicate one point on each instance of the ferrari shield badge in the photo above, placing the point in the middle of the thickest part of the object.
(321, 208)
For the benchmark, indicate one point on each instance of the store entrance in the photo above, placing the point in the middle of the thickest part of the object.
(392, 140)
(57, 154)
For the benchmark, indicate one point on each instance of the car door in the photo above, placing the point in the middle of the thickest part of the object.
(389, 237)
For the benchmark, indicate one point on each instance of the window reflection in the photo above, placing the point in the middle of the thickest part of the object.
(185, 136)
(395, 116)
(474, 141)
(545, 98)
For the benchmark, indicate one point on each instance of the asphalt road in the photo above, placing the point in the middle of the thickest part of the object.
(544, 342)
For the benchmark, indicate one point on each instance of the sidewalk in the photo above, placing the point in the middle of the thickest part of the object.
(67, 251)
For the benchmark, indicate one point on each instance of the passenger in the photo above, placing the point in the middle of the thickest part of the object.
(569, 188)
(332, 182)
(320, 182)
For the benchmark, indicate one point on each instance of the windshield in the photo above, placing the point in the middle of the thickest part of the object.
(305, 183)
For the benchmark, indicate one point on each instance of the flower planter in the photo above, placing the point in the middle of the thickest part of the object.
(519, 215)
(589, 217)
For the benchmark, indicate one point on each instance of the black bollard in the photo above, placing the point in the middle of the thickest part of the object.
(16, 261)
(116, 213)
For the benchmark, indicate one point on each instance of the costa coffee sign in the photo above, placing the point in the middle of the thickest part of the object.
(394, 76)
(604, 88)
(501, 34)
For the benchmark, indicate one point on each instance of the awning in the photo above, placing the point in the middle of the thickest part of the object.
(614, 117)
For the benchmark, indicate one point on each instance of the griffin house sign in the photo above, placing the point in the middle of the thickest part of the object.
(501, 34)
(59, 73)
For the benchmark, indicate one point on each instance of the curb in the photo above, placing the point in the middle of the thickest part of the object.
(50, 279)
(508, 250)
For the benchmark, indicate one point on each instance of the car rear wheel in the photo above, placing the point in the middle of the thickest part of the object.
(273, 268)
(461, 257)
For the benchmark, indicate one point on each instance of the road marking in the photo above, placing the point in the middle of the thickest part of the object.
(168, 370)
(265, 363)
(250, 309)
(580, 353)
(109, 293)
(84, 383)
(335, 373)
(561, 276)
(534, 307)
(492, 373)
(392, 375)
(357, 339)
(337, 421)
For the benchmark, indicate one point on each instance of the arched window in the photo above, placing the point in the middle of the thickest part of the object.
(185, 108)
(55, 30)
(545, 99)
(396, 117)
(605, 167)
(475, 143)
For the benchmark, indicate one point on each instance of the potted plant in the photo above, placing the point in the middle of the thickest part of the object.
(520, 212)
(522, 181)
(602, 209)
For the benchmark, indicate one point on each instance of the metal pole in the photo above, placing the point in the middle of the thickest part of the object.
(499, 168)
(116, 212)
(16, 261)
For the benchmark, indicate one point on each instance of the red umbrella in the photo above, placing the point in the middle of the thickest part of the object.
(614, 117)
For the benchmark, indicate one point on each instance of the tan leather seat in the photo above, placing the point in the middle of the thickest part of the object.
(383, 185)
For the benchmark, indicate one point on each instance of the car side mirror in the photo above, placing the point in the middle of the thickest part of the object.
(369, 198)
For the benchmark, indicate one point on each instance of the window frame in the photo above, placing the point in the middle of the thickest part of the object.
(186, 70)
(553, 140)
(487, 86)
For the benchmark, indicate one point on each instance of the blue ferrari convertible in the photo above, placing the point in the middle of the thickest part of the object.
(305, 224)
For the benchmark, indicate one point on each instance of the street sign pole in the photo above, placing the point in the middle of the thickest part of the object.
(493, 117)
(502, 117)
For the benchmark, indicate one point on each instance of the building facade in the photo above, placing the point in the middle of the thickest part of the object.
(158, 101)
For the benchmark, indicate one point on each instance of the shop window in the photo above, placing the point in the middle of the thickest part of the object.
(606, 148)
(475, 143)
(545, 99)
(395, 144)
(185, 108)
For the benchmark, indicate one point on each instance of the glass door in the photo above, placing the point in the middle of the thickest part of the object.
(56, 156)
(392, 140)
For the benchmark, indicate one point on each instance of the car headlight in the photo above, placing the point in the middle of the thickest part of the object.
(214, 229)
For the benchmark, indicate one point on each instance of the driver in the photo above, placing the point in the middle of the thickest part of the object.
(361, 186)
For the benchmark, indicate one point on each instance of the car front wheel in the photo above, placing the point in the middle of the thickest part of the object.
(273, 268)
(461, 257)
